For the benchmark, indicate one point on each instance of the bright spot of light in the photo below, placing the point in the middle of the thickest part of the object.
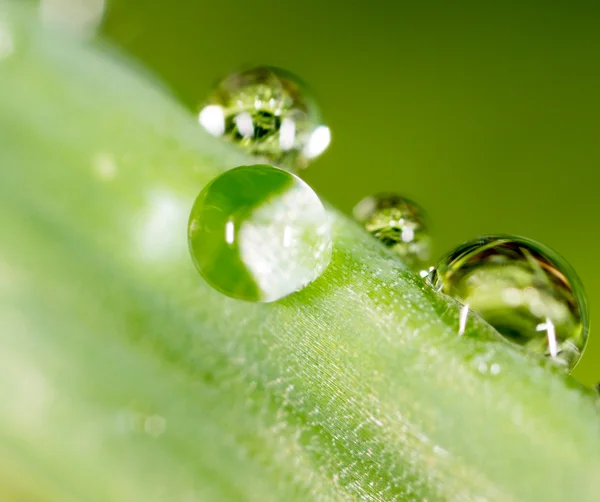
(81, 17)
(462, 324)
(212, 119)
(424, 273)
(512, 296)
(318, 142)
(243, 121)
(287, 134)
(229, 232)
(287, 237)
(408, 234)
(548, 326)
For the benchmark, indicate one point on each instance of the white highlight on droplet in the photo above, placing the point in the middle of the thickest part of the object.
(81, 17)
(162, 225)
(408, 234)
(7, 45)
(230, 232)
(287, 134)
(318, 142)
(279, 265)
(462, 323)
(212, 118)
(535, 302)
(512, 296)
(424, 273)
(287, 237)
(548, 327)
(243, 121)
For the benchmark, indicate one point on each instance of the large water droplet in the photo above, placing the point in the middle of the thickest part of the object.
(259, 233)
(399, 223)
(525, 290)
(269, 113)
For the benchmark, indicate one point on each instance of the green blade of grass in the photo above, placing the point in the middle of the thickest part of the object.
(123, 376)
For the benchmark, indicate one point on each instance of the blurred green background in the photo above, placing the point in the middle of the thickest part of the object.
(487, 114)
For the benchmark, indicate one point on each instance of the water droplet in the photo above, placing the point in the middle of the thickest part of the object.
(399, 223)
(525, 290)
(269, 113)
(259, 233)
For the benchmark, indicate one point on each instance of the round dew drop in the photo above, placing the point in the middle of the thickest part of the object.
(259, 233)
(525, 290)
(270, 114)
(398, 223)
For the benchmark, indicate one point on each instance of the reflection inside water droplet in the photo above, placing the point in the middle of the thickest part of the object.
(259, 233)
(523, 289)
(268, 112)
(398, 223)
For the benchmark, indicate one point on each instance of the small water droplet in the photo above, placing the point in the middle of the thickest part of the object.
(399, 223)
(269, 113)
(525, 290)
(259, 233)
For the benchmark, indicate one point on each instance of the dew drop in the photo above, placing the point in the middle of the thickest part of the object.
(399, 223)
(269, 113)
(530, 294)
(259, 233)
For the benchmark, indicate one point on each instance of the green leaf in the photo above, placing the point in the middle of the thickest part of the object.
(123, 376)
